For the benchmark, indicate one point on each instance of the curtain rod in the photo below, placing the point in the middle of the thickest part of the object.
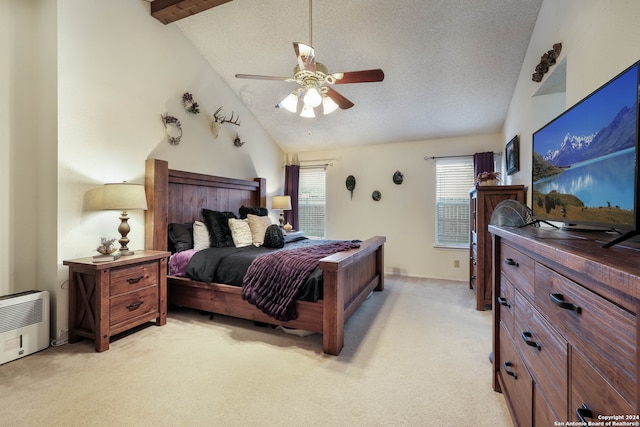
(453, 157)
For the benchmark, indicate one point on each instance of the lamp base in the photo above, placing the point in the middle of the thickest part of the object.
(126, 252)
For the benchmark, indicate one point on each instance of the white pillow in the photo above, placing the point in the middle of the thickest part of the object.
(240, 232)
(200, 236)
(258, 226)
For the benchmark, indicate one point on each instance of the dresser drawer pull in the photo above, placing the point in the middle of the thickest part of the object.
(526, 336)
(135, 305)
(558, 299)
(584, 412)
(509, 371)
(510, 261)
(133, 280)
(503, 301)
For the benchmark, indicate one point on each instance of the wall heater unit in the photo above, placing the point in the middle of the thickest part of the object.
(24, 324)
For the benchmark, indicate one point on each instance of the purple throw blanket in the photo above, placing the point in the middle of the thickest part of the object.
(273, 280)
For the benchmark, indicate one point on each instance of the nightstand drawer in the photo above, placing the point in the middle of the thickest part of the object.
(134, 304)
(127, 279)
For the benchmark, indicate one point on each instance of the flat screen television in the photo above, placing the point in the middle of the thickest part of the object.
(585, 161)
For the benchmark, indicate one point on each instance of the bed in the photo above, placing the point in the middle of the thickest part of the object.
(348, 277)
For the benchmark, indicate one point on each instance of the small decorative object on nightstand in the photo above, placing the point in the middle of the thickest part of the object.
(111, 297)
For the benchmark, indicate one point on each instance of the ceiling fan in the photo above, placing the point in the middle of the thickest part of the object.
(314, 78)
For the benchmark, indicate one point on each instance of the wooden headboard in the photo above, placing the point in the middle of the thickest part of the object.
(178, 196)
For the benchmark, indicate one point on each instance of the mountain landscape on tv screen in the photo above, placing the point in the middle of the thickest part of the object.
(616, 136)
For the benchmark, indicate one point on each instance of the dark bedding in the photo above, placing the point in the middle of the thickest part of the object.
(228, 265)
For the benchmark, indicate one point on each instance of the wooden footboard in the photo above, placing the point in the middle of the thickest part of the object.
(348, 277)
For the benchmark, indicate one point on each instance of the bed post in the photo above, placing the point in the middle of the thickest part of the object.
(333, 312)
(156, 184)
(262, 192)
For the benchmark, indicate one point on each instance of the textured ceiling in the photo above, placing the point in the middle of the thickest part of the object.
(450, 65)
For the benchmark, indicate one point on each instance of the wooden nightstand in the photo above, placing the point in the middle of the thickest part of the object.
(108, 298)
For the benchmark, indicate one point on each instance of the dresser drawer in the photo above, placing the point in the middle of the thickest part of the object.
(518, 268)
(515, 381)
(127, 279)
(134, 304)
(587, 321)
(506, 304)
(545, 353)
(589, 388)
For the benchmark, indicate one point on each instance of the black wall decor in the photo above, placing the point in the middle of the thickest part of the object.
(546, 60)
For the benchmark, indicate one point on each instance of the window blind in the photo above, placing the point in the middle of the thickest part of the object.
(312, 202)
(454, 179)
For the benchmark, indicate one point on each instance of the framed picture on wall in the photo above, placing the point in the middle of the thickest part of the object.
(513, 155)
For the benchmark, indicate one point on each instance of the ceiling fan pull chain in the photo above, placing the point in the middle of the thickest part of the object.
(310, 23)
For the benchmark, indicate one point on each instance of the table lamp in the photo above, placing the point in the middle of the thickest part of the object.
(125, 197)
(283, 203)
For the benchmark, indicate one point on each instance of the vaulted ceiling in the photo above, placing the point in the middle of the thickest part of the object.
(450, 65)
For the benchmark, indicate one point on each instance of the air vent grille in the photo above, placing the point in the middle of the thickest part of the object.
(20, 315)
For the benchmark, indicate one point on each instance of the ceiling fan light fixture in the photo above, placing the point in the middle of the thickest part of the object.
(290, 103)
(307, 112)
(328, 105)
(312, 98)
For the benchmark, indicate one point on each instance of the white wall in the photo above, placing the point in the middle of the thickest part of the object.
(29, 127)
(405, 214)
(5, 145)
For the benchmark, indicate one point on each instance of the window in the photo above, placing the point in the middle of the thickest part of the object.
(454, 179)
(312, 202)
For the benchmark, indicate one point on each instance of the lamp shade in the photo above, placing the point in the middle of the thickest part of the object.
(123, 197)
(281, 202)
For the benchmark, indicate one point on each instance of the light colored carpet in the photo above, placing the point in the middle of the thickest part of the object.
(415, 354)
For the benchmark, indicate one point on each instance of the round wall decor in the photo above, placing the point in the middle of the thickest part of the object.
(398, 178)
(376, 195)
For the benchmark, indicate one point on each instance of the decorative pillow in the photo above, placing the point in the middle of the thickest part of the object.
(201, 238)
(180, 237)
(240, 232)
(273, 237)
(244, 211)
(258, 226)
(218, 225)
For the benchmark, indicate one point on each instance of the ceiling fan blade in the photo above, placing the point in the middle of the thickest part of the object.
(252, 76)
(364, 76)
(306, 56)
(342, 102)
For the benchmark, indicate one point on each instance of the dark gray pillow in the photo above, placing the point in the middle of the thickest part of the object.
(273, 237)
(218, 225)
(180, 237)
(244, 211)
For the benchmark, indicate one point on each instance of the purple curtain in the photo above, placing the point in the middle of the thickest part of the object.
(291, 185)
(482, 162)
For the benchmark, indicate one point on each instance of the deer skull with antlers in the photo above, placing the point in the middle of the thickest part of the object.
(219, 120)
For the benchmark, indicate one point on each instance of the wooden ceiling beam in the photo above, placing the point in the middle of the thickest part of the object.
(168, 11)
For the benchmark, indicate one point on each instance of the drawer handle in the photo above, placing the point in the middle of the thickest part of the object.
(509, 371)
(526, 336)
(135, 305)
(510, 261)
(584, 412)
(503, 301)
(558, 299)
(133, 280)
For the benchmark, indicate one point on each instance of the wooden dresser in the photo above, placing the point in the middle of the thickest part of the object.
(565, 329)
(483, 199)
(108, 298)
